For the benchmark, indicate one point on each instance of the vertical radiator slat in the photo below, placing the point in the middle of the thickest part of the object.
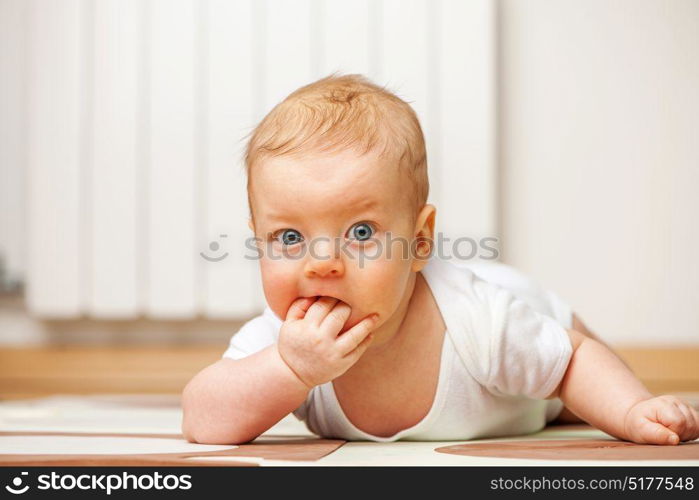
(404, 62)
(171, 190)
(115, 243)
(338, 25)
(467, 172)
(13, 53)
(288, 56)
(54, 159)
(232, 288)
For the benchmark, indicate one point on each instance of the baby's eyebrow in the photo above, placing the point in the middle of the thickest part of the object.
(358, 207)
(367, 204)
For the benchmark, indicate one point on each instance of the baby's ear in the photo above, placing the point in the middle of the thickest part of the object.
(424, 232)
(424, 225)
(250, 225)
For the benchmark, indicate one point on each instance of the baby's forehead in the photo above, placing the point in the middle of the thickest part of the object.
(324, 172)
(344, 181)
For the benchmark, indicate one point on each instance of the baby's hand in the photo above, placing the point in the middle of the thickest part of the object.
(661, 420)
(309, 341)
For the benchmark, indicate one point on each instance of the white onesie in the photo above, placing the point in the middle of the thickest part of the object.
(505, 349)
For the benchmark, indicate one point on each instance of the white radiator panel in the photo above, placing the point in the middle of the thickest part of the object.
(137, 113)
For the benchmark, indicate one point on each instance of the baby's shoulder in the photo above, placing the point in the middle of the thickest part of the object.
(452, 280)
(481, 281)
(255, 334)
(267, 321)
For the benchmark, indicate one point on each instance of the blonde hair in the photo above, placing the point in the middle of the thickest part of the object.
(343, 111)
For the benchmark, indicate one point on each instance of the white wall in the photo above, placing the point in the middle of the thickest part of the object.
(599, 159)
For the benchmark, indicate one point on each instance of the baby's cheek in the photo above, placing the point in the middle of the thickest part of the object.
(383, 284)
(278, 284)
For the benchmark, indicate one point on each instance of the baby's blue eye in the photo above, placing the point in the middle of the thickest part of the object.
(362, 231)
(291, 237)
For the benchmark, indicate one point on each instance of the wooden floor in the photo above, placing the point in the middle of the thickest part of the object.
(37, 372)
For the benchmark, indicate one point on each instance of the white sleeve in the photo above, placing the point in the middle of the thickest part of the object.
(256, 334)
(527, 352)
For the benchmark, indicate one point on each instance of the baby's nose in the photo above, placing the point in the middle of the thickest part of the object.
(324, 261)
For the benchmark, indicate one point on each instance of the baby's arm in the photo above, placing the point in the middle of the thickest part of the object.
(601, 389)
(234, 401)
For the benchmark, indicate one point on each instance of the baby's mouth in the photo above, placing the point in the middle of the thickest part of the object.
(316, 297)
(348, 324)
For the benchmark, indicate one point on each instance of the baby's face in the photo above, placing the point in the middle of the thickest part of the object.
(307, 209)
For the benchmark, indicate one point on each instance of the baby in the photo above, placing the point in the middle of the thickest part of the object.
(367, 334)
